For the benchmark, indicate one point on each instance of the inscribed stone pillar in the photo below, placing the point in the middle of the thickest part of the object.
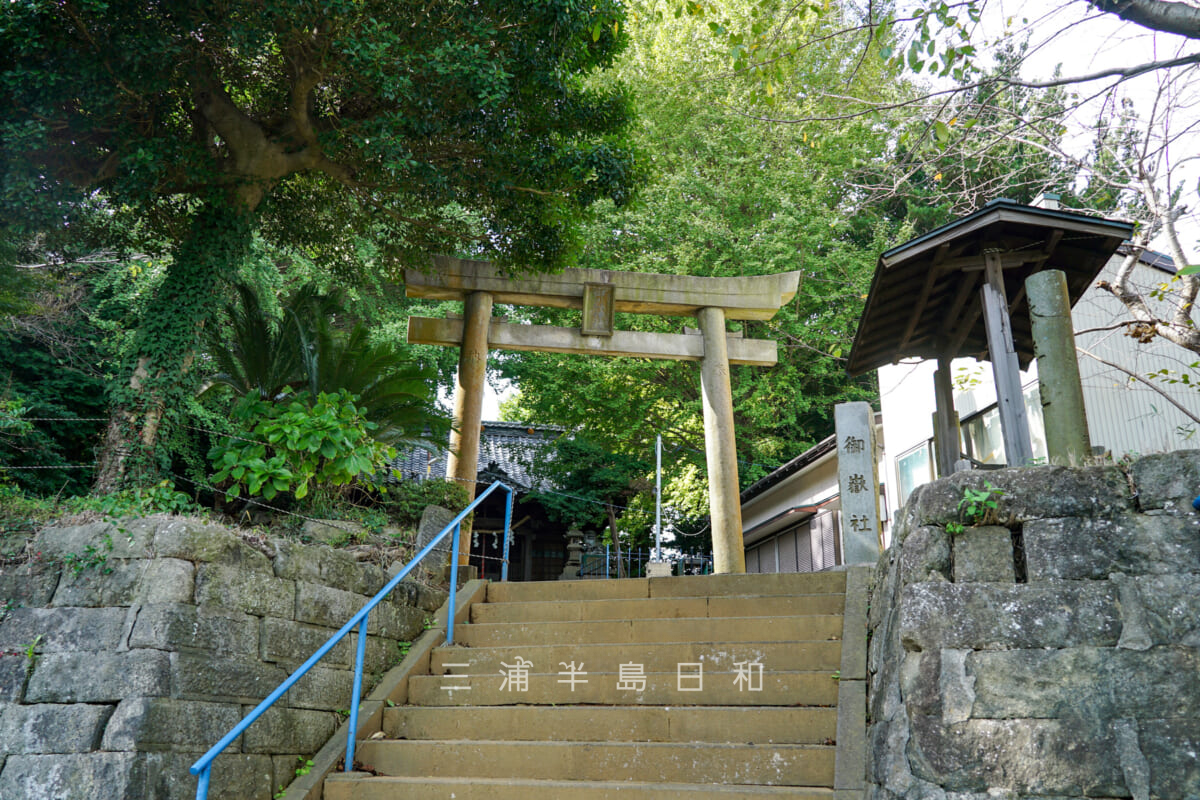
(463, 461)
(858, 478)
(1066, 426)
(724, 504)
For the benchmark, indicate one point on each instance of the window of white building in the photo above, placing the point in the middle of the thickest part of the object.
(914, 468)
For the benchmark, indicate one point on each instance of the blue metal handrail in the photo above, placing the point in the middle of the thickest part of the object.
(203, 767)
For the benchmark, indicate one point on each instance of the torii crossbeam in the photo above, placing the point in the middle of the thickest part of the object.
(599, 294)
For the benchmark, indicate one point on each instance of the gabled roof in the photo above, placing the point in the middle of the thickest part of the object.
(924, 299)
(506, 450)
(810, 456)
(1151, 258)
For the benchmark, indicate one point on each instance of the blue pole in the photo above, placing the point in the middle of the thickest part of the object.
(453, 584)
(606, 558)
(508, 508)
(358, 672)
(202, 784)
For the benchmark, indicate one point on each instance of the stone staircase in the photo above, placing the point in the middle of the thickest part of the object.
(625, 689)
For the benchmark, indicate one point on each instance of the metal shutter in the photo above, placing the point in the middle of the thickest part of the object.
(787, 551)
(804, 559)
(766, 557)
(827, 540)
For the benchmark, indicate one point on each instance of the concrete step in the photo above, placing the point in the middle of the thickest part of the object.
(765, 765)
(629, 631)
(657, 608)
(532, 591)
(750, 584)
(720, 656)
(764, 725)
(359, 786)
(690, 586)
(661, 688)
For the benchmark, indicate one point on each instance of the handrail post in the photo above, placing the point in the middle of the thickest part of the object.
(358, 673)
(453, 585)
(508, 509)
(202, 783)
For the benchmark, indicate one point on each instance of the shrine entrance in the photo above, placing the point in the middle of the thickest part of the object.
(598, 294)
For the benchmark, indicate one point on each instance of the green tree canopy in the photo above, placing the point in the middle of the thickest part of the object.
(728, 195)
(460, 127)
(592, 488)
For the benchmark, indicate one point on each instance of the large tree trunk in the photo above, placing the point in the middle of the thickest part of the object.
(168, 334)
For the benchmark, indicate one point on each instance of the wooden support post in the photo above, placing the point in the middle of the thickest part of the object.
(1014, 425)
(463, 461)
(945, 420)
(724, 504)
(1063, 411)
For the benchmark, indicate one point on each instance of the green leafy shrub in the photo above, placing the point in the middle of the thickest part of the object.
(297, 445)
(980, 506)
(12, 418)
(977, 507)
(259, 352)
(160, 498)
(406, 501)
(40, 384)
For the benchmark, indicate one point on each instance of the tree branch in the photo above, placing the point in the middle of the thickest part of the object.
(1145, 381)
(1157, 15)
(1184, 334)
(1116, 326)
(1121, 73)
(304, 79)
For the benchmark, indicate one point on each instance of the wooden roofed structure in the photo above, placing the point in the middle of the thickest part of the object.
(959, 290)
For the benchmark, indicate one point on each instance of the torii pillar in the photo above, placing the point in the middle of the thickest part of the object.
(598, 294)
(468, 400)
(720, 445)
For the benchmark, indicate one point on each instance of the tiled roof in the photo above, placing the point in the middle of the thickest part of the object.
(507, 450)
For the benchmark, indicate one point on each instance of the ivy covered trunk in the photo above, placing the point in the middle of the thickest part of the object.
(160, 377)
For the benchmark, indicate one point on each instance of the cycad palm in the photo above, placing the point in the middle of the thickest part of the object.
(263, 353)
(301, 349)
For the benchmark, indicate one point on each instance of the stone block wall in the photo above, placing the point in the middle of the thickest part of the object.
(1054, 653)
(126, 653)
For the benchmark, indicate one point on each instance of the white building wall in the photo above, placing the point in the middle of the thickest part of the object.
(907, 403)
(765, 517)
(1124, 415)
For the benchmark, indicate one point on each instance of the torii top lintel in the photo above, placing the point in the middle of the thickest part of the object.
(756, 297)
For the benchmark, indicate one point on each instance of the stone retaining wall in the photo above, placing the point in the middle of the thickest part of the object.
(126, 654)
(1053, 654)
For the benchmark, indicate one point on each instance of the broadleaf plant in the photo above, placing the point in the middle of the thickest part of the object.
(297, 445)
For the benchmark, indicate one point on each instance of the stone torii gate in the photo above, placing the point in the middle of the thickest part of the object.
(599, 294)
